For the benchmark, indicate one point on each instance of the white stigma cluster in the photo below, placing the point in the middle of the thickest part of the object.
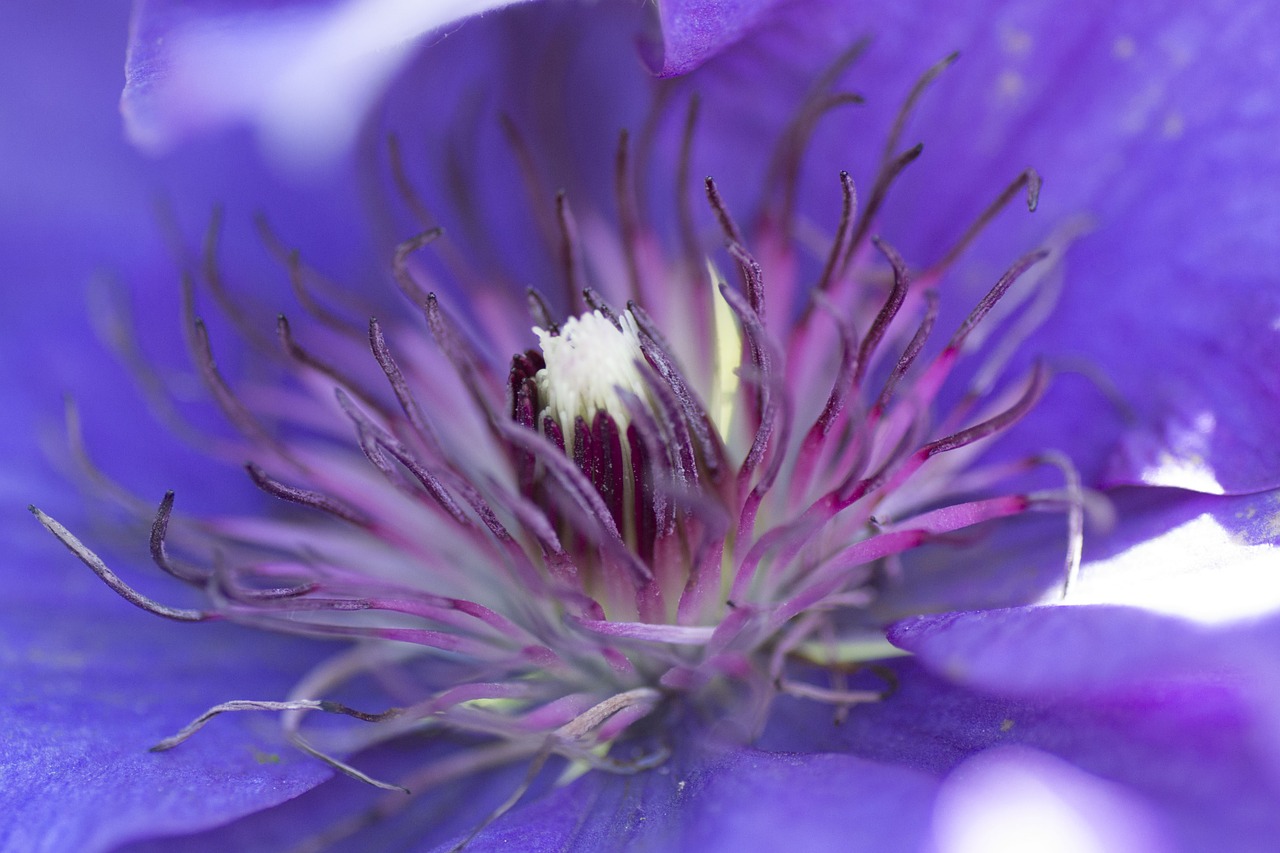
(588, 363)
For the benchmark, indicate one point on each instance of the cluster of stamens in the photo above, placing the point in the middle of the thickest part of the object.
(668, 518)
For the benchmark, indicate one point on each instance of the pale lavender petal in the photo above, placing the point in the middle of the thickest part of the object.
(302, 73)
(694, 31)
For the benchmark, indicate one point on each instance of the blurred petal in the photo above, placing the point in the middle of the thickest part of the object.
(303, 73)
(1003, 800)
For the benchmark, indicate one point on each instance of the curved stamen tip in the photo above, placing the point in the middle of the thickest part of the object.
(1034, 183)
(111, 579)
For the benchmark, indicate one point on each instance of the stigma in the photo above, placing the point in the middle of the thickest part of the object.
(590, 364)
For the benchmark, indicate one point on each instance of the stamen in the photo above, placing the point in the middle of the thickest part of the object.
(570, 253)
(795, 139)
(434, 489)
(233, 308)
(1036, 386)
(160, 555)
(306, 497)
(773, 416)
(466, 762)
(784, 164)
(628, 216)
(116, 324)
(843, 384)
(993, 296)
(535, 190)
(900, 121)
(830, 696)
(540, 310)
(202, 355)
(595, 302)
(848, 209)
(730, 228)
(892, 304)
(400, 264)
(410, 196)
(1028, 178)
(1075, 517)
(299, 273)
(684, 210)
(128, 593)
(250, 705)
(465, 361)
(305, 357)
(909, 354)
(404, 396)
(879, 192)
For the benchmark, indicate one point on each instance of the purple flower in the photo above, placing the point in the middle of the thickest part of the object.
(684, 571)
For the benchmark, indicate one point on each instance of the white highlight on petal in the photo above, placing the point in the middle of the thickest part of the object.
(1199, 570)
(1182, 459)
(587, 362)
(1013, 799)
(304, 78)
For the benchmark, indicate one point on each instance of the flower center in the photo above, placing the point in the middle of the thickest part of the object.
(629, 531)
(590, 364)
(585, 392)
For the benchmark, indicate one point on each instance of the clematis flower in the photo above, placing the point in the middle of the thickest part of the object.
(686, 619)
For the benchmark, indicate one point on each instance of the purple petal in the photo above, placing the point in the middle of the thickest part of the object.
(302, 73)
(1156, 125)
(1076, 653)
(1201, 557)
(744, 800)
(1140, 122)
(91, 684)
(694, 31)
(427, 819)
(1205, 558)
(1190, 759)
(999, 799)
(1112, 656)
(704, 798)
